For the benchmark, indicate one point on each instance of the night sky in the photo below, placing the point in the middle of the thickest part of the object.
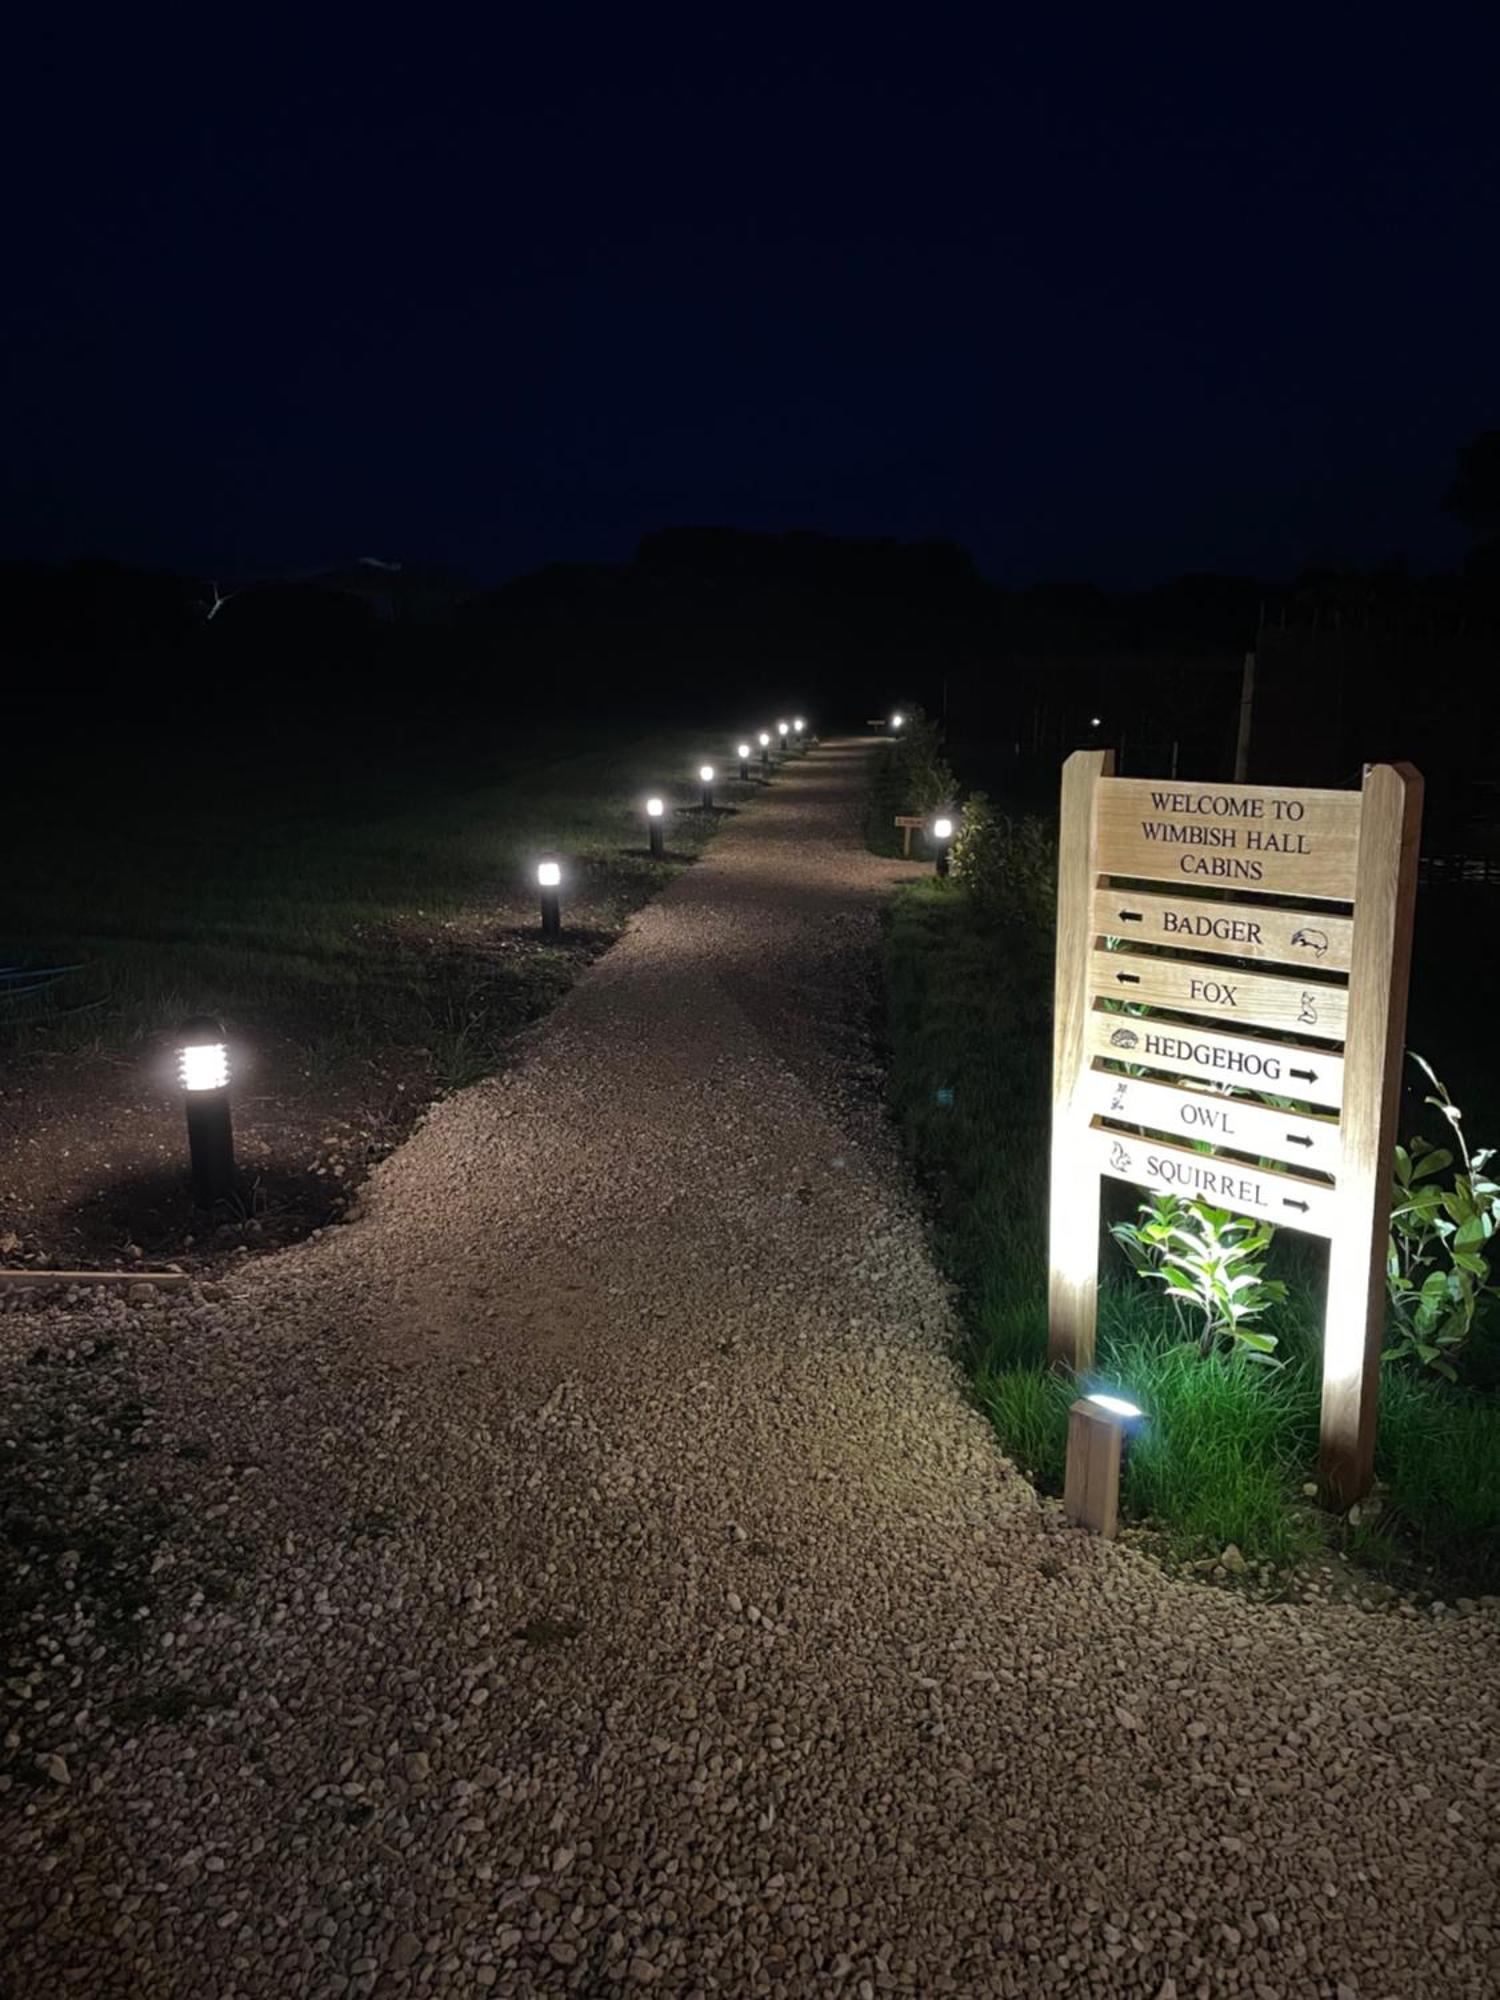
(1097, 298)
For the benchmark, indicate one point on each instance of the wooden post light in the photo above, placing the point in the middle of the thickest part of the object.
(1137, 1034)
(1097, 1429)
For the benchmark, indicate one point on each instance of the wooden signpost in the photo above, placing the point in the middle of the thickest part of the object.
(908, 823)
(1211, 1044)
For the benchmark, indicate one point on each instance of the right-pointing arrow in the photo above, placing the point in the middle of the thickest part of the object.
(1296, 1139)
(1304, 1075)
(1287, 1203)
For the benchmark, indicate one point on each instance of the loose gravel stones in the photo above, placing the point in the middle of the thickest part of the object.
(584, 1575)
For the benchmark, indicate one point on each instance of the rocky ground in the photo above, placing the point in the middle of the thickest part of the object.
(582, 1574)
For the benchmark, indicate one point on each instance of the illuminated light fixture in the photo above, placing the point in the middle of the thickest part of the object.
(549, 885)
(1096, 721)
(1117, 1406)
(781, 731)
(654, 810)
(203, 1071)
(898, 721)
(743, 753)
(765, 749)
(706, 779)
(1097, 1426)
(798, 724)
(942, 840)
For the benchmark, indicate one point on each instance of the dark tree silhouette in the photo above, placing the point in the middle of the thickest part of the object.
(1474, 495)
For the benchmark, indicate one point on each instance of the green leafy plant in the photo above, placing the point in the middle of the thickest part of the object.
(1008, 866)
(1437, 1273)
(1212, 1264)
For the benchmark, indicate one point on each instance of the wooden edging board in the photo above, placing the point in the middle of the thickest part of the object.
(38, 1277)
(1141, 1024)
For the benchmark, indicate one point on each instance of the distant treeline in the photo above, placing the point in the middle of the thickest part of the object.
(731, 622)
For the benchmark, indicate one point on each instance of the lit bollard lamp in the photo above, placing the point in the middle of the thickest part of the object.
(799, 724)
(706, 779)
(203, 1070)
(942, 842)
(782, 730)
(1098, 1426)
(549, 886)
(743, 753)
(765, 749)
(898, 721)
(654, 810)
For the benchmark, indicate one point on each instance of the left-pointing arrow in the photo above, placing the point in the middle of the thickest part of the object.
(1128, 978)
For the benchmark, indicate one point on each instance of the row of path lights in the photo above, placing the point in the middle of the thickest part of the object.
(203, 1052)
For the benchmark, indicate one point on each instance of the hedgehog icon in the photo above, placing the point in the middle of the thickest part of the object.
(1314, 941)
(1124, 1038)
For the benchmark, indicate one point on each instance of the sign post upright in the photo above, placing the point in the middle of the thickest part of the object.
(1211, 1044)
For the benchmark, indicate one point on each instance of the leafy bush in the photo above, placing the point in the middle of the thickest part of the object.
(1007, 866)
(1437, 1274)
(1213, 1266)
(927, 780)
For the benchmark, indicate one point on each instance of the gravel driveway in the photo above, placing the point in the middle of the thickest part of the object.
(583, 1574)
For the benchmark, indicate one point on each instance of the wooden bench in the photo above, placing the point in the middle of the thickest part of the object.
(908, 823)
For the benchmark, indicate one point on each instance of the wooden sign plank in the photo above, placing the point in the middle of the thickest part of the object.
(1292, 842)
(1251, 999)
(1184, 1113)
(1280, 1069)
(1285, 1199)
(1229, 930)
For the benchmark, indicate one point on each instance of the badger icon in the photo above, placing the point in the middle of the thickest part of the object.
(1314, 941)
(1124, 1038)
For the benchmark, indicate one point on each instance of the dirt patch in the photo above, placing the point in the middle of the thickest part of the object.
(93, 1144)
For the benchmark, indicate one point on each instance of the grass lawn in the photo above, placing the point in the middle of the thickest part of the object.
(1228, 1445)
(365, 924)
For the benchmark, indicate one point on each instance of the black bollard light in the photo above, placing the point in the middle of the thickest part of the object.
(706, 777)
(203, 1070)
(897, 721)
(782, 731)
(743, 753)
(654, 810)
(765, 749)
(798, 726)
(942, 840)
(549, 884)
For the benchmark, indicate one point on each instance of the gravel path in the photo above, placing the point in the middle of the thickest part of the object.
(583, 1575)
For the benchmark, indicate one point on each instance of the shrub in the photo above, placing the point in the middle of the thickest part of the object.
(1007, 866)
(927, 781)
(1437, 1273)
